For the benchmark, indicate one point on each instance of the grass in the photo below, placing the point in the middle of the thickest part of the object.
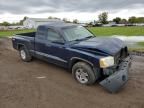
(136, 49)
(98, 31)
(141, 43)
(109, 31)
(6, 33)
(139, 49)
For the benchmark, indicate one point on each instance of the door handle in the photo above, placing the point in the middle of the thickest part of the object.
(61, 46)
(48, 45)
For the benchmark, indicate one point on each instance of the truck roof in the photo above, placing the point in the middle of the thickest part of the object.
(58, 25)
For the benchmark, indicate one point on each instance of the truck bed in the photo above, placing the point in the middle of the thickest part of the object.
(26, 39)
(30, 34)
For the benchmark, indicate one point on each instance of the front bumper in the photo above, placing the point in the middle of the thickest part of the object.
(117, 80)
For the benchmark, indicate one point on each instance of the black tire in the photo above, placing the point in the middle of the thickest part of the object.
(88, 71)
(27, 57)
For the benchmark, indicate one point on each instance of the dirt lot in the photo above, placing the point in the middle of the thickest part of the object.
(41, 85)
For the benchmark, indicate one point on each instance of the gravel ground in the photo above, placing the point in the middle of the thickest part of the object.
(41, 85)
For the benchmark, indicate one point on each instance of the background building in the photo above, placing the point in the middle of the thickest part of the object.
(35, 22)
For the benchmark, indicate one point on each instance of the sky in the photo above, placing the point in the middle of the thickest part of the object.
(83, 10)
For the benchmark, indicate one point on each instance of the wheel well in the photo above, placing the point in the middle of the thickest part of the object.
(95, 69)
(19, 46)
(79, 60)
(74, 62)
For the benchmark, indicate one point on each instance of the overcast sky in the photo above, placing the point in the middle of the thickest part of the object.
(83, 10)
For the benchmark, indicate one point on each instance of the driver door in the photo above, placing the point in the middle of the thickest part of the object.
(55, 48)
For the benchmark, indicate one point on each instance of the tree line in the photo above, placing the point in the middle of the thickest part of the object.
(5, 23)
(102, 18)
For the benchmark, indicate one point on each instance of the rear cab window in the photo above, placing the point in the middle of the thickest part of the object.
(53, 36)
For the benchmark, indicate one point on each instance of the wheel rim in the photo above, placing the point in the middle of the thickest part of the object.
(23, 54)
(81, 76)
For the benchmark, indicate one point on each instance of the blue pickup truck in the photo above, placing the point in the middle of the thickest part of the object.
(89, 58)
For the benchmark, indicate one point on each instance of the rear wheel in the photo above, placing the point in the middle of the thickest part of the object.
(24, 54)
(83, 73)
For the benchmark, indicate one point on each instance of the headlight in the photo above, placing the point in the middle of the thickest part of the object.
(106, 62)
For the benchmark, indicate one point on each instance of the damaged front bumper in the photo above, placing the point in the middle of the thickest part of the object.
(117, 80)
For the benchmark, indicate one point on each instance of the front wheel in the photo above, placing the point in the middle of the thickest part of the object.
(83, 73)
(24, 54)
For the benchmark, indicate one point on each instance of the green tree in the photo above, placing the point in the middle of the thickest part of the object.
(15, 24)
(21, 21)
(123, 21)
(132, 19)
(90, 24)
(50, 17)
(117, 20)
(65, 19)
(5, 24)
(103, 17)
(75, 21)
(140, 20)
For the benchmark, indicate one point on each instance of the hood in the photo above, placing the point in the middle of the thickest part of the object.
(106, 46)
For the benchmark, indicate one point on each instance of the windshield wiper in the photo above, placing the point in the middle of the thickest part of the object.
(78, 39)
(84, 38)
(89, 37)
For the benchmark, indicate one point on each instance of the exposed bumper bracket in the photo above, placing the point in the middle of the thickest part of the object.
(117, 80)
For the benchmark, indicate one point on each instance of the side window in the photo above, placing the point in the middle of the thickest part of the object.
(40, 32)
(53, 36)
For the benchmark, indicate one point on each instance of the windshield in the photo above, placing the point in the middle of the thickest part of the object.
(76, 33)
